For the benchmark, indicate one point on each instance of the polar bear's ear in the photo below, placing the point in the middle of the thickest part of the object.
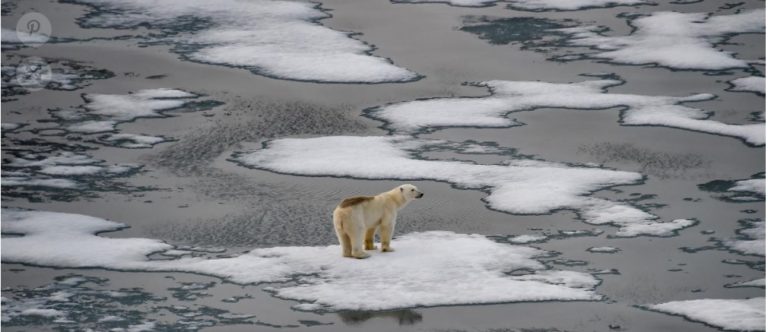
(401, 189)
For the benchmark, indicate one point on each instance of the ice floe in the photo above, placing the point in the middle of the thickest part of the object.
(81, 303)
(58, 169)
(754, 84)
(745, 190)
(536, 5)
(104, 112)
(560, 5)
(428, 269)
(520, 186)
(110, 110)
(18, 75)
(280, 39)
(751, 283)
(526, 238)
(514, 96)
(752, 185)
(672, 39)
(131, 141)
(750, 240)
(603, 250)
(730, 314)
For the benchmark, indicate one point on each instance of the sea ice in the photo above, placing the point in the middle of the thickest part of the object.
(515, 96)
(526, 238)
(545, 5)
(536, 5)
(749, 84)
(672, 39)
(730, 315)
(604, 250)
(131, 141)
(751, 239)
(428, 269)
(751, 185)
(281, 39)
(750, 283)
(57, 169)
(519, 186)
(114, 109)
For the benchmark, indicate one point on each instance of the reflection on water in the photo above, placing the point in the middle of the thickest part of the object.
(403, 317)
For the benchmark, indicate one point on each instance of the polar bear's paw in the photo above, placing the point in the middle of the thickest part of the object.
(361, 255)
(387, 249)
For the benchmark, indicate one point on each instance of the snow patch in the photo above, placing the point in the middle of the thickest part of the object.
(730, 315)
(280, 39)
(749, 84)
(428, 269)
(672, 39)
(526, 238)
(515, 96)
(751, 239)
(536, 5)
(604, 250)
(518, 186)
(751, 283)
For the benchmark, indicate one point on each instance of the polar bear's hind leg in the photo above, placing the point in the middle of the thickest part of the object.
(369, 235)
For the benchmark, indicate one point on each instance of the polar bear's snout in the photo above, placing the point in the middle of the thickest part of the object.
(420, 195)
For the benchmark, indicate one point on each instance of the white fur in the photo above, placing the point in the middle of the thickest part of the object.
(356, 224)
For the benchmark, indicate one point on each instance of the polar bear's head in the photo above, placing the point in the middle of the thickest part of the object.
(410, 192)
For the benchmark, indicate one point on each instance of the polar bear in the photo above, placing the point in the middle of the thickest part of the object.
(357, 218)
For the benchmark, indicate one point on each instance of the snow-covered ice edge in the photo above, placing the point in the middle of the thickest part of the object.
(428, 269)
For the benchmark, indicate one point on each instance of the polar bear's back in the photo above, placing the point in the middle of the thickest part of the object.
(354, 201)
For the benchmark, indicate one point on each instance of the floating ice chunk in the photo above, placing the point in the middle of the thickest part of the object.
(730, 315)
(10, 126)
(281, 39)
(543, 5)
(132, 141)
(750, 283)
(671, 39)
(429, 269)
(103, 112)
(604, 250)
(510, 96)
(526, 238)
(566, 278)
(536, 5)
(458, 3)
(663, 229)
(59, 239)
(752, 185)
(142, 104)
(520, 186)
(71, 170)
(751, 240)
(42, 312)
(92, 127)
(746, 190)
(582, 232)
(61, 158)
(32, 182)
(749, 84)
